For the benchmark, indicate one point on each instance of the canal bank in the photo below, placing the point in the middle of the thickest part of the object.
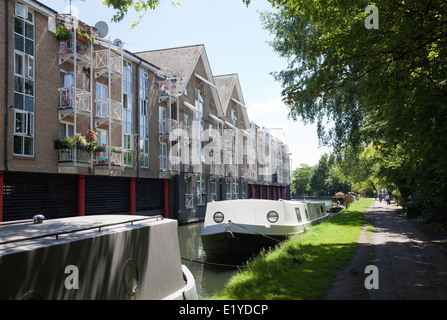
(304, 266)
(210, 279)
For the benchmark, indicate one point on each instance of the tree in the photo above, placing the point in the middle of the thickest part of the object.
(319, 176)
(385, 88)
(300, 180)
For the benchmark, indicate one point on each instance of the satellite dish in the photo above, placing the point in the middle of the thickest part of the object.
(102, 28)
(118, 42)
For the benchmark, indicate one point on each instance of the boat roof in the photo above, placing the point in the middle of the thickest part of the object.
(27, 235)
(287, 202)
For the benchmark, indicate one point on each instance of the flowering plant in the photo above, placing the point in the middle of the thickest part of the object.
(90, 136)
(117, 149)
(84, 34)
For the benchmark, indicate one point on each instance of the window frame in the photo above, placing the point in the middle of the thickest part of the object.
(24, 18)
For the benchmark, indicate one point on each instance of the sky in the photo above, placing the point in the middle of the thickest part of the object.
(235, 42)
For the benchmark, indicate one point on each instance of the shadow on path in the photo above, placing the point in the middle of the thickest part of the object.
(412, 265)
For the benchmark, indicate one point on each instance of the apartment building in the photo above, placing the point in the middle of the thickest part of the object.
(91, 128)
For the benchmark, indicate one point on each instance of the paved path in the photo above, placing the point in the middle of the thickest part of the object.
(412, 263)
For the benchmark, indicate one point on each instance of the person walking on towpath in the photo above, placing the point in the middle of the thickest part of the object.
(410, 261)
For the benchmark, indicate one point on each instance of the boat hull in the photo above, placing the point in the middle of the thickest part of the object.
(104, 257)
(233, 245)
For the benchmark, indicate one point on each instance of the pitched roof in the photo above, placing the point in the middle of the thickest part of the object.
(226, 84)
(181, 61)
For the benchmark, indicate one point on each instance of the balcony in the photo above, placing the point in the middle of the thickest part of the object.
(68, 157)
(107, 61)
(166, 126)
(69, 102)
(217, 169)
(111, 157)
(108, 108)
(67, 52)
(231, 171)
(249, 173)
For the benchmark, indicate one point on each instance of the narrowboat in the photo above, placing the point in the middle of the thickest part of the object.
(106, 257)
(234, 230)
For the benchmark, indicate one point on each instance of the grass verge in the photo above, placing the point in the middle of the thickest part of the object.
(304, 266)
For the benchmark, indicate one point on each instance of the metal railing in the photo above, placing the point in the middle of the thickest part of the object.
(67, 99)
(105, 60)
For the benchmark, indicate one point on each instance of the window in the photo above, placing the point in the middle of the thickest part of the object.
(162, 120)
(186, 124)
(163, 156)
(23, 81)
(143, 98)
(102, 141)
(127, 113)
(213, 192)
(228, 189)
(66, 130)
(199, 99)
(298, 214)
(234, 117)
(235, 190)
(101, 100)
(201, 188)
(128, 149)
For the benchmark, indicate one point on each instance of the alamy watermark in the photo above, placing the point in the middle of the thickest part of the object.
(372, 280)
(226, 147)
(372, 21)
(72, 280)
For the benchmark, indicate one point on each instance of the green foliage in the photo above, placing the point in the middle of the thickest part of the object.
(300, 180)
(304, 266)
(385, 88)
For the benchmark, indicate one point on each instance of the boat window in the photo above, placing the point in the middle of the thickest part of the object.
(218, 217)
(298, 214)
(272, 216)
(322, 210)
(131, 277)
(307, 214)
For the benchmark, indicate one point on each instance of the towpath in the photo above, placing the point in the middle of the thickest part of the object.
(411, 261)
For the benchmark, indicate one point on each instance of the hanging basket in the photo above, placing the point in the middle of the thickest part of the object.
(81, 38)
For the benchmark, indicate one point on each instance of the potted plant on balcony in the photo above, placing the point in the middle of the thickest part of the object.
(117, 150)
(65, 143)
(83, 35)
(62, 33)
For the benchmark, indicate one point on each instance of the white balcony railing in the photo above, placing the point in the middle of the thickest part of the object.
(166, 125)
(106, 60)
(68, 99)
(103, 106)
(68, 155)
(112, 156)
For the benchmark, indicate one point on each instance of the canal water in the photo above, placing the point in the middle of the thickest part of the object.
(209, 279)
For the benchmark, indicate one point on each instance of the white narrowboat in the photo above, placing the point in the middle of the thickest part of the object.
(234, 230)
(119, 257)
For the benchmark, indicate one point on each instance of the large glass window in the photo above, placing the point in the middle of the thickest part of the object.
(101, 100)
(143, 98)
(163, 156)
(23, 81)
(127, 114)
(201, 193)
